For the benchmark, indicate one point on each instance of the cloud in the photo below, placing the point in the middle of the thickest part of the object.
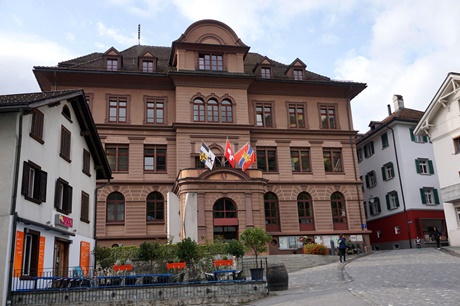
(114, 34)
(19, 53)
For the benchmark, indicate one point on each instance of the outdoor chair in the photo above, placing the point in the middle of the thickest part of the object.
(210, 277)
(239, 275)
(178, 278)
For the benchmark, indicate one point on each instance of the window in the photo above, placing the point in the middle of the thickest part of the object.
(457, 145)
(339, 213)
(225, 215)
(36, 130)
(272, 219)
(63, 197)
(424, 166)
(226, 111)
(384, 138)
(332, 160)
(374, 206)
(86, 162)
(300, 160)
(266, 159)
(264, 114)
(30, 253)
(305, 211)
(117, 156)
(66, 113)
(416, 138)
(84, 212)
(155, 207)
(118, 109)
(360, 154)
(328, 120)
(213, 111)
(112, 64)
(392, 200)
(147, 66)
(371, 179)
(296, 116)
(115, 207)
(65, 144)
(265, 72)
(154, 158)
(155, 110)
(429, 196)
(365, 209)
(458, 214)
(33, 183)
(397, 231)
(224, 208)
(362, 184)
(298, 74)
(210, 62)
(369, 149)
(388, 171)
(198, 110)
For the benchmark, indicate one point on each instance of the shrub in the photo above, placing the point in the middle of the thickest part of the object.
(187, 250)
(235, 248)
(104, 257)
(315, 249)
(150, 251)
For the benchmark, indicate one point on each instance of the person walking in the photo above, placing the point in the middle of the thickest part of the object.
(436, 235)
(342, 246)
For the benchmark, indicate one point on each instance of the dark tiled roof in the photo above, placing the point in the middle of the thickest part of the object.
(130, 57)
(402, 114)
(28, 98)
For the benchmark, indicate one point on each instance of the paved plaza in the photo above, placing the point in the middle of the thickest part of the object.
(397, 277)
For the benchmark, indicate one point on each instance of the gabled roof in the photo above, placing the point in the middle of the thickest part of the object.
(29, 101)
(450, 86)
(401, 115)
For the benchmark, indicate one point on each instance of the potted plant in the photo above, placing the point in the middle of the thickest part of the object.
(255, 239)
(223, 262)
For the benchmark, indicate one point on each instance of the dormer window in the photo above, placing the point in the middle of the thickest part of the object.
(210, 62)
(265, 72)
(112, 64)
(147, 66)
(298, 74)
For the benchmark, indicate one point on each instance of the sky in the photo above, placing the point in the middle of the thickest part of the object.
(402, 47)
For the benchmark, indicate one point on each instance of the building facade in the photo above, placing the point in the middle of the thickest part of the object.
(51, 159)
(155, 106)
(441, 123)
(400, 184)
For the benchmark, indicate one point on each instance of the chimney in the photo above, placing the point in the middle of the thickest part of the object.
(389, 109)
(398, 102)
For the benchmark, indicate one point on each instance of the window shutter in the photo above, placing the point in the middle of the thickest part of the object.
(25, 179)
(57, 194)
(436, 197)
(365, 208)
(378, 206)
(430, 166)
(367, 181)
(69, 198)
(422, 195)
(387, 198)
(412, 137)
(417, 166)
(43, 178)
(372, 148)
(371, 209)
(425, 138)
(392, 170)
(384, 175)
(397, 199)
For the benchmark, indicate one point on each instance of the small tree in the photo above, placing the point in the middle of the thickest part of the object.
(150, 251)
(187, 250)
(104, 257)
(235, 248)
(255, 239)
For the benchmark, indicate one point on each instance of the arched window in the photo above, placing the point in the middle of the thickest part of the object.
(155, 207)
(339, 212)
(115, 207)
(226, 111)
(198, 110)
(66, 112)
(305, 211)
(213, 111)
(272, 219)
(225, 218)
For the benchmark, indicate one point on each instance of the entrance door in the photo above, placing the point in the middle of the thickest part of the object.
(61, 257)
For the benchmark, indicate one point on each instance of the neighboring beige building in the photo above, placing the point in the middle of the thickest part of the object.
(154, 106)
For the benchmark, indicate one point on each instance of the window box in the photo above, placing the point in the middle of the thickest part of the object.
(223, 262)
(176, 265)
(125, 267)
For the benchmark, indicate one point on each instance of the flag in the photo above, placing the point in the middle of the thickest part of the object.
(245, 157)
(206, 156)
(229, 154)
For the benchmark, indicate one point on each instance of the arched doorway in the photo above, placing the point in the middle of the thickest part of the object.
(225, 219)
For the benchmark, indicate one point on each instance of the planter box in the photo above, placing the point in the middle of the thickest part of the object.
(175, 265)
(127, 267)
(223, 262)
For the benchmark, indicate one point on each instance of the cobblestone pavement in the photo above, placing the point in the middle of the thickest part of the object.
(398, 277)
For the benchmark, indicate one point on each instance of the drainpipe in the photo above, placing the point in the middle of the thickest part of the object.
(13, 213)
(401, 186)
(355, 167)
(95, 215)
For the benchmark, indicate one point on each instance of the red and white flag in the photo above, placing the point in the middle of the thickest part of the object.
(229, 154)
(245, 157)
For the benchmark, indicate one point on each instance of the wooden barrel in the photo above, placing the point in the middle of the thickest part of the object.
(277, 277)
